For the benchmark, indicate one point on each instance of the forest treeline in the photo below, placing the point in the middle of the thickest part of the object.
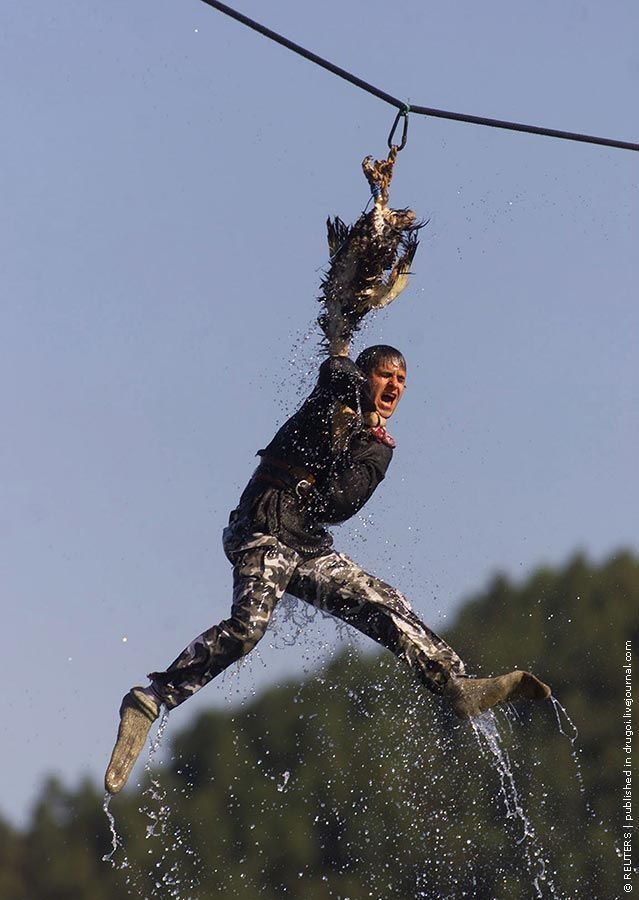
(353, 783)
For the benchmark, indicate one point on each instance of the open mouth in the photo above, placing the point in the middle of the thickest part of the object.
(387, 398)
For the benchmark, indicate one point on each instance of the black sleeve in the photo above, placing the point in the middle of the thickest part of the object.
(345, 493)
(346, 382)
(343, 379)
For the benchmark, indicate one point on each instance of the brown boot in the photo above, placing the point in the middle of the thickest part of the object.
(137, 713)
(469, 697)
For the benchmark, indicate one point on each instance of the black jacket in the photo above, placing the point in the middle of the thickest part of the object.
(320, 468)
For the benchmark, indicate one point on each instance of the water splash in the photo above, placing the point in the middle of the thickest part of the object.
(573, 750)
(115, 838)
(489, 739)
(575, 731)
(171, 840)
(285, 777)
(158, 818)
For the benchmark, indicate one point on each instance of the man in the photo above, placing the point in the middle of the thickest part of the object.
(321, 467)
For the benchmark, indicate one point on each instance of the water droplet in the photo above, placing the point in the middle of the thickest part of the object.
(285, 778)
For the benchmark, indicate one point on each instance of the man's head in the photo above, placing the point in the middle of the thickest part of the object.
(385, 368)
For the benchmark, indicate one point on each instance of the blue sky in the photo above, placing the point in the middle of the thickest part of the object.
(165, 180)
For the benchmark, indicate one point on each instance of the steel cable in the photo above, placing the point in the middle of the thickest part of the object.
(414, 109)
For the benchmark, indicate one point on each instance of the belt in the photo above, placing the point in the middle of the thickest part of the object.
(285, 475)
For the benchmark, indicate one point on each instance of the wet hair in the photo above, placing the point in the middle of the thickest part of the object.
(370, 358)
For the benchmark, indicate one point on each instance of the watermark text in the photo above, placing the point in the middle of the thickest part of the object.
(626, 789)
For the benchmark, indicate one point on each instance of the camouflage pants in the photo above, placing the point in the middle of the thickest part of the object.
(264, 569)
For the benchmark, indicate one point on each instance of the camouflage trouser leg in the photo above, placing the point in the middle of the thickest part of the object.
(336, 584)
(262, 570)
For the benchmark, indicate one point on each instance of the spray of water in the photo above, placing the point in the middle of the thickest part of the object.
(562, 715)
(115, 839)
(156, 809)
(559, 712)
(171, 853)
(489, 738)
(170, 842)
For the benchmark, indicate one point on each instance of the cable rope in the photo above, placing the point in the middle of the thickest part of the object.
(400, 104)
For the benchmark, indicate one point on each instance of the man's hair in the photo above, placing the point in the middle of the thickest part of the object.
(370, 358)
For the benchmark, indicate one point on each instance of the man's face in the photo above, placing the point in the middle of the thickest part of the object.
(387, 382)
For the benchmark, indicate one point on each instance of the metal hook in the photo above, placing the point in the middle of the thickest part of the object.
(402, 112)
